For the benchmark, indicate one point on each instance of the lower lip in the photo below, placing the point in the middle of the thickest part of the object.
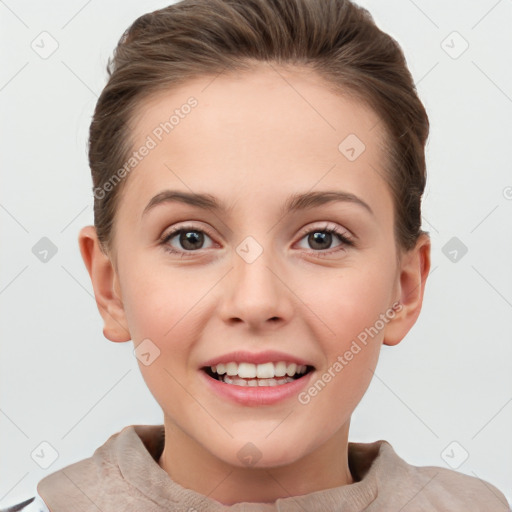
(256, 395)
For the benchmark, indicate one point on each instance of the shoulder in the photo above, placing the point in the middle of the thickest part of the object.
(450, 490)
(398, 485)
(442, 489)
(34, 504)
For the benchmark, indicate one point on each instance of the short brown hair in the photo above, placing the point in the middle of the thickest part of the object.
(192, 38)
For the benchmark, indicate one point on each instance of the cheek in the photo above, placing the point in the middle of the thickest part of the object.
(168, 309)
(347, 301)
(161, 320)
(357, 300)
(349, 304)
(159, 303)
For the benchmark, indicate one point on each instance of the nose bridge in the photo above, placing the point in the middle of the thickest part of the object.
(256, 292)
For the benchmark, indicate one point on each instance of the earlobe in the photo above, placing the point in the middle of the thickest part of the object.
(104, 281)
(414, 270)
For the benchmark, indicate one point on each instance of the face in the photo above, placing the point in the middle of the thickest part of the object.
(288, 257)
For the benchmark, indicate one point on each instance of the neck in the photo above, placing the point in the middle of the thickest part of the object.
(193, 467)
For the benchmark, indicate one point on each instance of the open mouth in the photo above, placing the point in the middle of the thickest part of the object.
(257, 375)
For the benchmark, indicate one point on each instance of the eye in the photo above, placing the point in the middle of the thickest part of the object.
(321, 239)
(189, 238)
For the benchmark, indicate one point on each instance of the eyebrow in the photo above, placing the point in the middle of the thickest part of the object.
(295, 202)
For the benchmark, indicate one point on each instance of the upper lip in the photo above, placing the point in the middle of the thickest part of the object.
(269, 356)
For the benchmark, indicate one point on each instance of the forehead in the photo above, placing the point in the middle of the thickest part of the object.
(239, 132)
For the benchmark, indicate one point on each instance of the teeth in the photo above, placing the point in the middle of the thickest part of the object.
(237, 381)
(265, 372)
(291, 369)
(280, 369)
(231, 369)
(248, 370)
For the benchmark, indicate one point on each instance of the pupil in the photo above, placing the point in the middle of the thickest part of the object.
(189, 237)
(320, 237)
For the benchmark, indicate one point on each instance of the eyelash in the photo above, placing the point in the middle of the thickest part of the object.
(342, 236)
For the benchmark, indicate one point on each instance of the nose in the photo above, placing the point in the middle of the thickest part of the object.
(257, 293)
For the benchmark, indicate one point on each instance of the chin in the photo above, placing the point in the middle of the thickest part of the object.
(262, 453)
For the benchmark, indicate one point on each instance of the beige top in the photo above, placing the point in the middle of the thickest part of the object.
(123, 475)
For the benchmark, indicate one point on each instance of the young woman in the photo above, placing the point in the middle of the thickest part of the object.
(258, 169)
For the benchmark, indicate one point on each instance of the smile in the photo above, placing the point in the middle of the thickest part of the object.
(256, 375)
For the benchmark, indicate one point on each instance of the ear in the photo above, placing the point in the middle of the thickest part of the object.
(105, 284)
(412, 276)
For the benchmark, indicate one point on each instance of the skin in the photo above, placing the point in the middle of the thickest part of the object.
(253, 139)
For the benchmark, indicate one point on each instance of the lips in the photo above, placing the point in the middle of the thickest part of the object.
(256, 392)
(256, 369)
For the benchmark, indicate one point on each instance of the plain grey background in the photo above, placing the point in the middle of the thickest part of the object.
(442, 397)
